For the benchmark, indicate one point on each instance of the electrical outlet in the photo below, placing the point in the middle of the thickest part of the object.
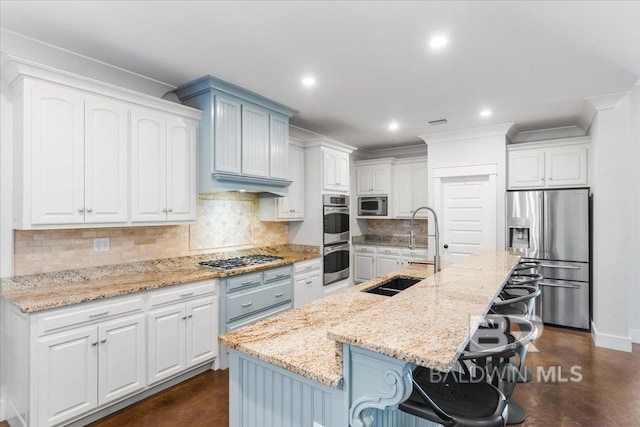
(101, 245)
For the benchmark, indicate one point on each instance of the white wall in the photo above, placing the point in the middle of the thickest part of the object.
(472, 147)
(634, 158)
(616, 239)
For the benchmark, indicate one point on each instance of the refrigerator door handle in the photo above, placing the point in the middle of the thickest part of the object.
(553, 285)
(570, 267)
(545, 231)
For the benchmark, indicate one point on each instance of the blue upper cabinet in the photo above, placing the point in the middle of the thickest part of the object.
(243, 137)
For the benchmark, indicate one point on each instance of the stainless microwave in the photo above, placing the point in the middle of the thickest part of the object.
(373, 206)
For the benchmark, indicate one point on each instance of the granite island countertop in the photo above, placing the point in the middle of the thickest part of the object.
(36, 292)
(427, 324)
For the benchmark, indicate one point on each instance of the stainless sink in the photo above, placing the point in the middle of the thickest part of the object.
(394, 286)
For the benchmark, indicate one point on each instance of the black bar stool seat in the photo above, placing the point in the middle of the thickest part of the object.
(455, 399)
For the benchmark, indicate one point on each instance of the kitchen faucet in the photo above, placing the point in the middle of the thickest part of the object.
(412, 235)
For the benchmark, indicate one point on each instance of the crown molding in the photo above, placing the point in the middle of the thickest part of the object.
(606, 102)
(458, 135)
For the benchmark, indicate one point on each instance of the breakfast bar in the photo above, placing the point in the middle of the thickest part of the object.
(346, 359)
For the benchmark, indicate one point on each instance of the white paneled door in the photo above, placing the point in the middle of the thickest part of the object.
(468, 222)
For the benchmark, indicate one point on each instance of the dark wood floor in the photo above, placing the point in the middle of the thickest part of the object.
(608, 393)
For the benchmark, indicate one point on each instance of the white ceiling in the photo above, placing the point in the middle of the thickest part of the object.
(532, 63)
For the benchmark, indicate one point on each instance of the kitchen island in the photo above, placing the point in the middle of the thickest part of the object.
(346, 359)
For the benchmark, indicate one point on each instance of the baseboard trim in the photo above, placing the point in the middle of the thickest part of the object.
(635, 335)
(3, 410)
(613, 342)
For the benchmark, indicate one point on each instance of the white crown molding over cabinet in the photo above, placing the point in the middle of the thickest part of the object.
(79, 146)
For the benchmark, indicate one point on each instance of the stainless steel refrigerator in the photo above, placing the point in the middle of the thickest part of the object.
(552, 226)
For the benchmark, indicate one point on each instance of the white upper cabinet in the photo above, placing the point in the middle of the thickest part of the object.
(182, 191)
(243, 137)
(335, 170)
(409, 187)
(79, 144)
(106, 161)
(52, 154)
(163, 183)
(291, 206)
(561, 163)
(373, 178)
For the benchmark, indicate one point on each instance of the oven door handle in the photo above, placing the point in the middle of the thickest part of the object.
(330, 249)
(339, 210)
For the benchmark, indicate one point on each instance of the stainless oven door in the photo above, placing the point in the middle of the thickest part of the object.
(336, 225)
(336, 263)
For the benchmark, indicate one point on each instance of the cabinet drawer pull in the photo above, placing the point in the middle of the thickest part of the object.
(309, 282)
(190, 316)
(94, 343)
(280, 294)
(245, 305)
(308, 267)
(103, 341)
(188, 294)
(248, 282)
(281, 274)
(104, 313)
(184, 317)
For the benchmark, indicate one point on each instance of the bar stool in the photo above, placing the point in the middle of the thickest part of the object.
(495, 335)
(464, 398)
(516, 300)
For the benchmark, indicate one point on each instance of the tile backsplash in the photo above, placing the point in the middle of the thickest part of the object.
(225, 220)
(395, 227)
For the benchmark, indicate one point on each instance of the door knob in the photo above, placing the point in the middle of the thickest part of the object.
(446, 246)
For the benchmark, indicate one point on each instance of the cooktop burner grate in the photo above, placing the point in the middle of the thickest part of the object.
(243, 261)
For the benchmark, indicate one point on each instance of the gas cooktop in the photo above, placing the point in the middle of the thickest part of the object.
(243, 261)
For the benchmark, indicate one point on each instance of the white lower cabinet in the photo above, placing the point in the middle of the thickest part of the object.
(181, 334)
(68, 362)
(389, 259)
(83, 368)
(67, 372)
(374, 261)
(307, 282)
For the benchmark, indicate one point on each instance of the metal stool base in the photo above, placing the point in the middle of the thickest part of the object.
(516, 413)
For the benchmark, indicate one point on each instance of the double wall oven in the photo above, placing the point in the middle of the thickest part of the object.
(335, 237)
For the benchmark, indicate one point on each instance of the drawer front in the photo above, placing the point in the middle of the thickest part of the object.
(386, 250)
(179, 293)
(244, 281)
(306, 266)
(247, 303)
(416, 253)
(88, 312)
(258, 316)
(365, 249)
(277, 274)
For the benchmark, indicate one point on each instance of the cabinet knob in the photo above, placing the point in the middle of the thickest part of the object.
(190, 316)
(184, 317)
(446, 246)
(550, 179)
(89, 210)
(80, 210)
(164, 210)
(103, 341)
(94, 343)
(169, 210)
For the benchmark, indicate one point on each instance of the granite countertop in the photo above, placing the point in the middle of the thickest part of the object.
(401, 240)
(297, 340)
(427, 324)
(38, 292)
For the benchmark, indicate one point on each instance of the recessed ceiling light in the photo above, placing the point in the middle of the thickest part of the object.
(438, 42)
(485, 113)
(393, 125)
(309, 81)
